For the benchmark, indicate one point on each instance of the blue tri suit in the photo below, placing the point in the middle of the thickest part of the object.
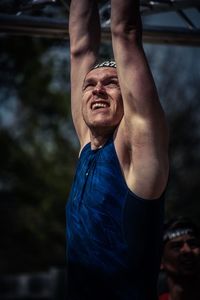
(113, 236)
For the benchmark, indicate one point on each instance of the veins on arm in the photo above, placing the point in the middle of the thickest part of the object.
(84, 32)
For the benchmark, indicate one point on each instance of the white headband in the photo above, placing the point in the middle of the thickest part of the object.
(173, 233)
(107, 63)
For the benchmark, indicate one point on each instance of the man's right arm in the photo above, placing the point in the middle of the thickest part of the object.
(84, 31)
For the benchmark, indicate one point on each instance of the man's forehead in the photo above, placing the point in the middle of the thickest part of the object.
(102, 72)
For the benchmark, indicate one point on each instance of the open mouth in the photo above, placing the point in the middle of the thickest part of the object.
(98, 105)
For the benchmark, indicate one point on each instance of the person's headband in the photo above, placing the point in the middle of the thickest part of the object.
(176, 232)
(105, 64)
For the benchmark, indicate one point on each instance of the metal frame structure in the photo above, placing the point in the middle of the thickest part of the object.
(31, 18)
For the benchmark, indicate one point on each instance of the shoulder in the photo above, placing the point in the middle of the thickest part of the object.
(164, 296)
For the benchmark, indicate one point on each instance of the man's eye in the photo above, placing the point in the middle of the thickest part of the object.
(112, 82)
(88, 85)
(194, 243)
(176, 246)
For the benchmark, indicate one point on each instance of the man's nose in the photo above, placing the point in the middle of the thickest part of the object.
(185, 248)
(99, 89)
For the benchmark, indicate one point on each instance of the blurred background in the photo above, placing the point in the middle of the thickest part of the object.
(38, 145)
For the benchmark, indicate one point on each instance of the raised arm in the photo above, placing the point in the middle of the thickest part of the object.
(143, 131)
(84, 31)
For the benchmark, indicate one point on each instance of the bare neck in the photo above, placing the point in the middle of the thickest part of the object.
(98, 139)
(98, 142)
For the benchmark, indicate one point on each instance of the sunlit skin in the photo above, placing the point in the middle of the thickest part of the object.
(181, 256)
(102, 105)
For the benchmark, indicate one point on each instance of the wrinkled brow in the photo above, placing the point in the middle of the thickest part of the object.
(88, 80)
(102, 79)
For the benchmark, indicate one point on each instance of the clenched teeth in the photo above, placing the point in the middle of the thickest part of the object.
(99, 105)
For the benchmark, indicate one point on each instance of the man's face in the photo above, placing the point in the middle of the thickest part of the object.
(181, 256)
(102, 104)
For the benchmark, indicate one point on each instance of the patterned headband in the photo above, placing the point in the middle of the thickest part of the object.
(173, 233)
(105, 64)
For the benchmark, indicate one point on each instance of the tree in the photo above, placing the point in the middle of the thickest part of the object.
(38, 153)
(176, 71)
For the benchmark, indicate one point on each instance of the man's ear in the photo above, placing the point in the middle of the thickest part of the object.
(162, 265)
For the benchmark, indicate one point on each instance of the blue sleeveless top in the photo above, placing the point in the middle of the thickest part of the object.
(113, 236)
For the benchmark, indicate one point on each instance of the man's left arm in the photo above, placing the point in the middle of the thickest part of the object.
(143, 130)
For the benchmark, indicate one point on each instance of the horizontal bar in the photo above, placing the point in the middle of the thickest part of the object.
(58, 29)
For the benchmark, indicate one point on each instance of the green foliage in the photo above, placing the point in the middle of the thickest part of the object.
(38, 153)
(176, 71)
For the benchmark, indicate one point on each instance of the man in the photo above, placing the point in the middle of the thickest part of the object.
(181, 260)
(115, 208)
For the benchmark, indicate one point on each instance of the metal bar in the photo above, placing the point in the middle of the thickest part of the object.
(58, 29)
(171, 35)
(153, 7)
(33, 5)
(186, 19)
